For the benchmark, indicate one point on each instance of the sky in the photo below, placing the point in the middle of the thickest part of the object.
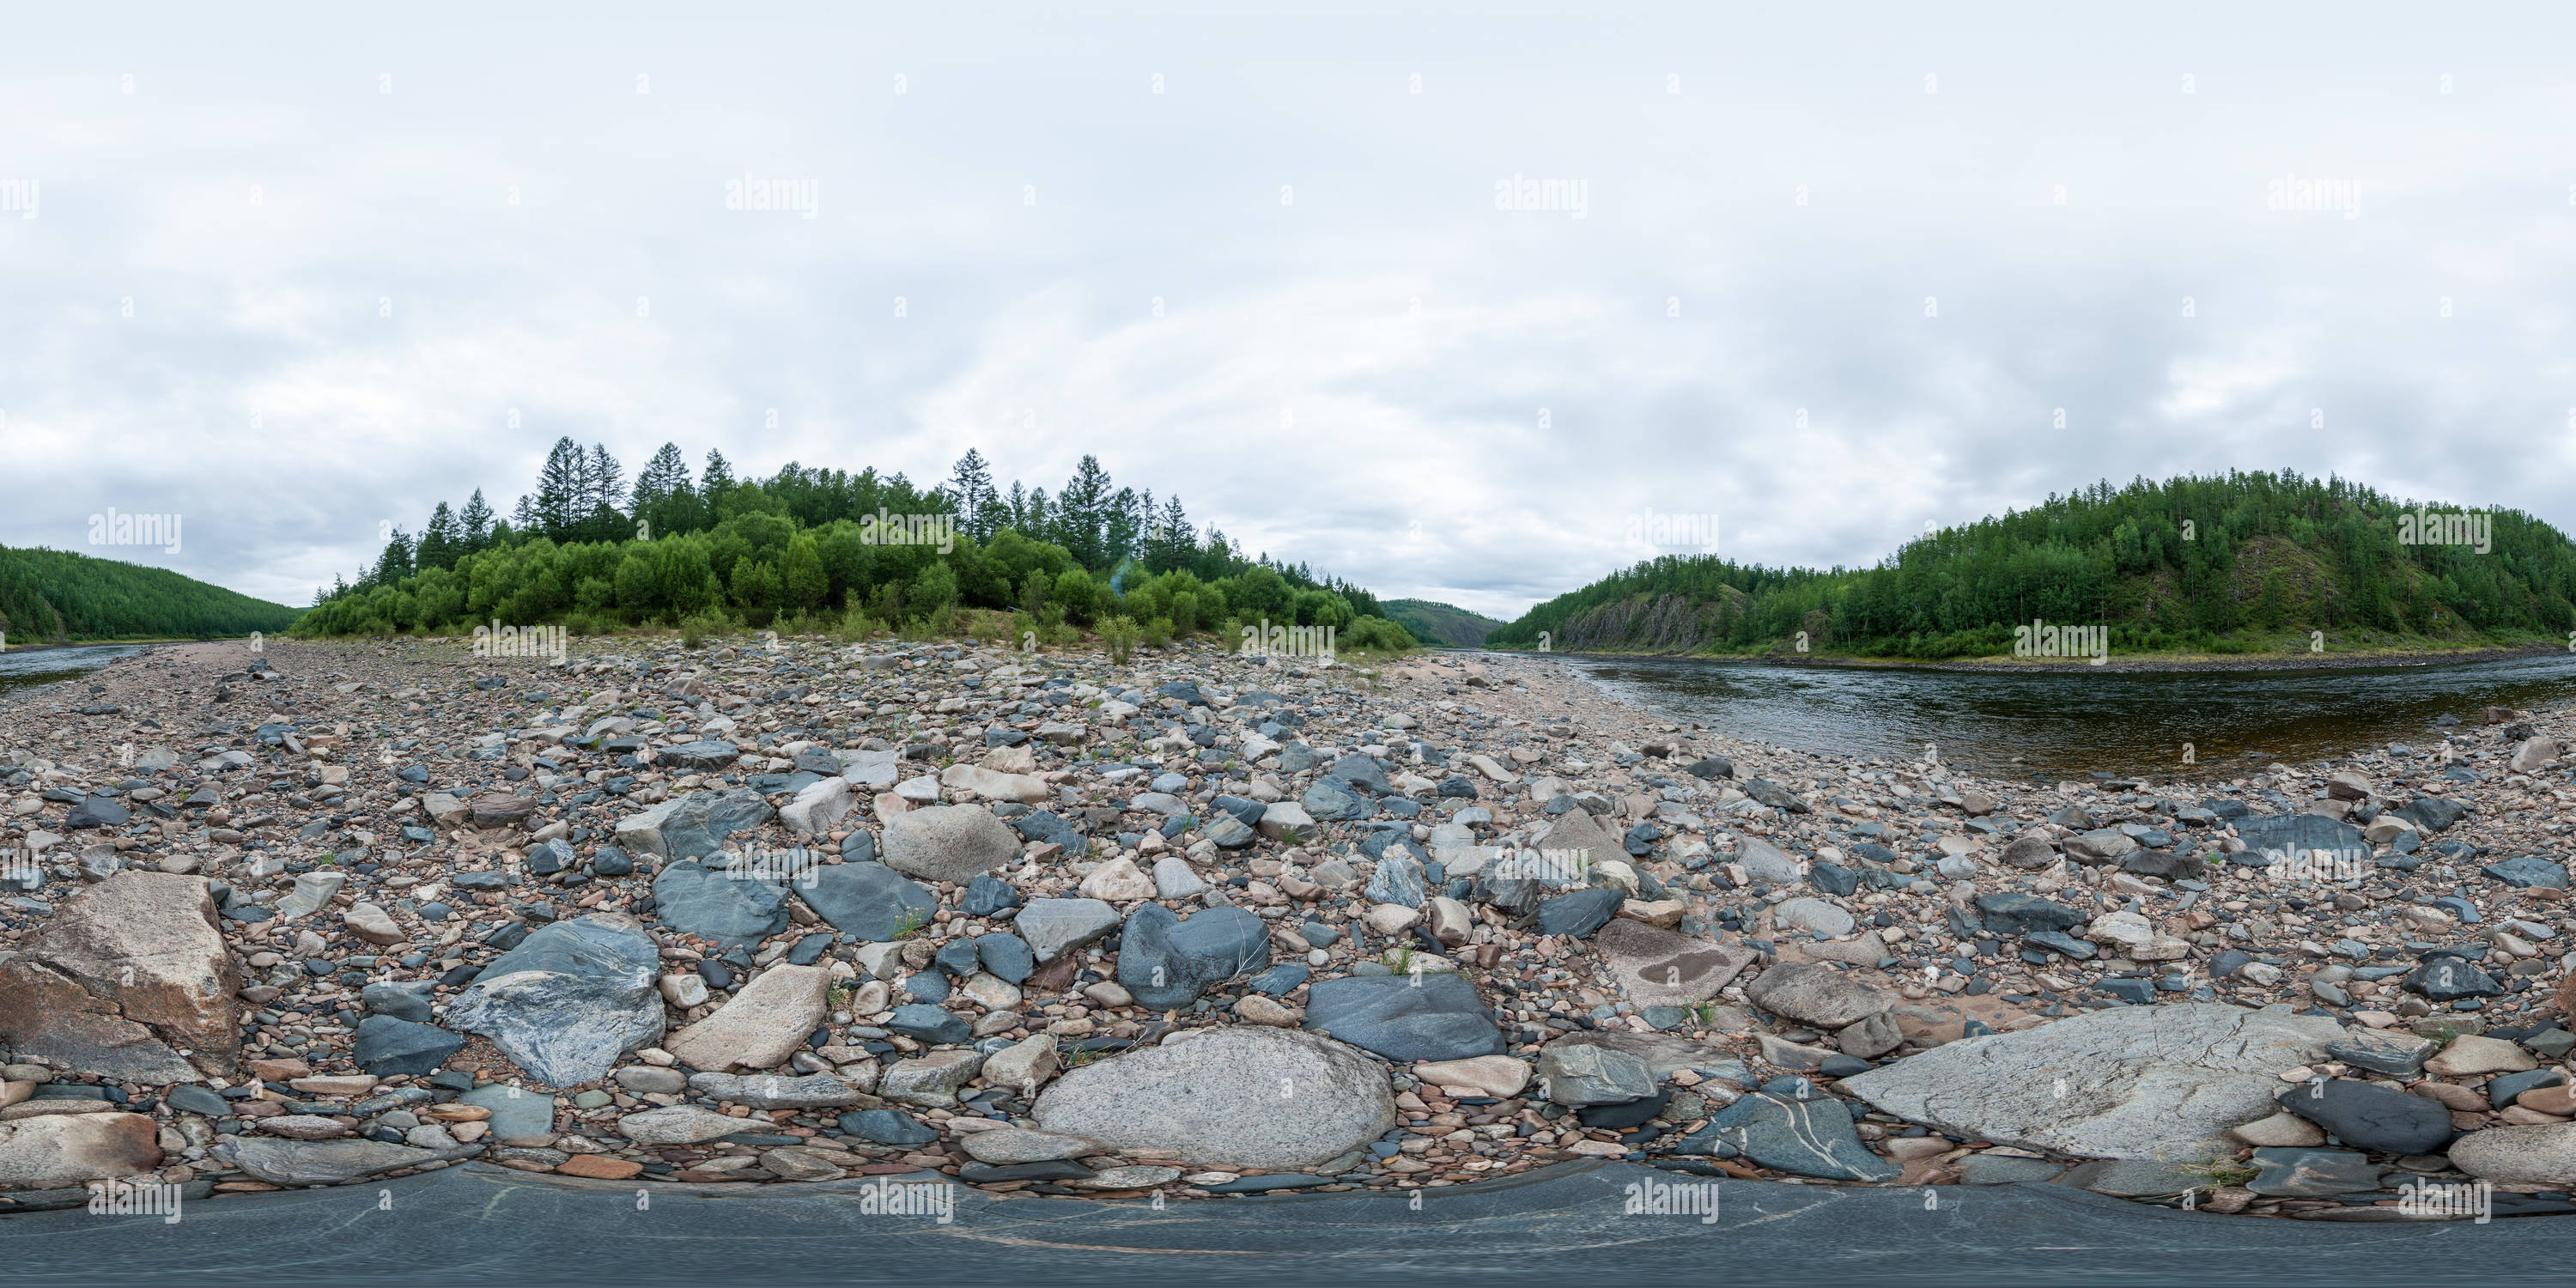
(1452, 301)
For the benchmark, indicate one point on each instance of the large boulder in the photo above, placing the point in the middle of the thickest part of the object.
(2279, 837)
(1660, 968)
(2536, 1154)
(1168, 962)
(1238, 1096)
(693, 826)
(1055, 926)
(2132, 1082)
(869, 900)
(326, 1162)
(569, 1000)
(1811, 993)
(817, 808)
(59, 1151)
(954, 843)
(1406, 1017)
(128, 972)
(761, 1026)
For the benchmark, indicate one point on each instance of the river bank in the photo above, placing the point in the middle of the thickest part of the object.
(2115, 664)
(770, 915)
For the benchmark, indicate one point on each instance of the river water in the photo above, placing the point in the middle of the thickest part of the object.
(27, 668)
(2062, 724)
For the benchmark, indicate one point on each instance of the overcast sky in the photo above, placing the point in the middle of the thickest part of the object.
(1829, 272)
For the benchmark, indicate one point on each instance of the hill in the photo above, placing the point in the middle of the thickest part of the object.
(2247, 563)
(50, 596)
(1432, 621)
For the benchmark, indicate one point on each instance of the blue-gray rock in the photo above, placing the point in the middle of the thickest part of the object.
(386, 1046)
(1055, 926)
(2393, 1052)
(2449, 979)
(696, 757)
(694, 826)
(2312, 1173)
(569, 1000)
(1711, 767)
(1327, 800)
(1405, 1017)
(860, 846)
(1801, 1137)
(1581, 913)
(929, 1024)
(2368, 1116)
(1006, 956)
(1229, 833)
(986, 895)
(403, 1000)
(888, 1127)
(2274, 837)
(97, 811)
(611, 861)
(867, 900)
(2431, 813)
(2015, 913)
(735, 911)
(2527, 872)
(196, 1100)
(1398, 880)
(1043, 826)
(1167, 962)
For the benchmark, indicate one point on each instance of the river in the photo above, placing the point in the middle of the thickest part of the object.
(2061, 724)
(27, 668)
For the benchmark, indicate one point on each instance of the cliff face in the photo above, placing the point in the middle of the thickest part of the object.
(1652, 623)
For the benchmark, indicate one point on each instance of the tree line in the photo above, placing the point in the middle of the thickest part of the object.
(804, 546)
(50, 596)
(2192, 562)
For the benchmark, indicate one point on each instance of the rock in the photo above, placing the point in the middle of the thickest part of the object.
(519, 1116)
(1173, 879)
(569, 1000)
(2450, 979)
(694, 826)
(1500, 1076)
(765, 1022)
(59, 1151)
(2029, 852)
(1282, 820)
(1167, 962)
(2015, 913)
(387, 1046)
(2139, 1082)
(2368, 1116)
(772, 1091)
(678, 1125)
(2279, 837)
(1814, 994)
(868, 900)
(2098, 847)
(326, 1162)
(1578, 1075)
(695, 900)
(373, 924)
(1871, 1036)
(1020, 1145)
(926, 1023)
(2531, 1154)
(818, 808)
(1799, 1136)
(1024, 1066)
(696, 757)
(124, 974)
(979, 782)
(2283, 1129)
(954, 843)
(931, 1081)
(1240, 1097)
(2397, 1054)
(2470, 1054)
(2527, 872)
(2004, 1169)
(2133, 1178)
(312, 892)
(1053, 926)
(2530, 754)
(1661, 968)
(1765, 863)
(2311, 1173)
(1815, 916)
(1579, 914)
(1405, 1017)
(888, 1127)
(1118, 881)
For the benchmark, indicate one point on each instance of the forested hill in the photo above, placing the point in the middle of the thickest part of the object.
(2249, 562)
(1432, 621)
(49, 596)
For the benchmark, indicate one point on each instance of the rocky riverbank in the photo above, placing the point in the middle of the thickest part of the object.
(1199, 925)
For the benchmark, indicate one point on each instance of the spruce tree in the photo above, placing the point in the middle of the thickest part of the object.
(477, 519)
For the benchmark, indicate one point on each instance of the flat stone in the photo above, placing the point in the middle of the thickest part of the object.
(1165, 961)
(1801, 1137)
(678, 1125)
(954, 843)
(2368, 1116)
(120, 978)
(693, 899)
(773, 1091)
(1238, 1097)
(1660, 968)
(59, 1151)
(326, 1162)
(385, 1045)
(1054, 926)
(868, 900)
(519, 1116)
(1578, 1075)
(1405, 1017)
(693, 826)
(2393, 1052)
(931, 1081)
(2471, 1054)
(1815, 994)
(1501, 1076)
(2130, 1082)
(761, 1025)
(1815, 916)
(1020, 1145)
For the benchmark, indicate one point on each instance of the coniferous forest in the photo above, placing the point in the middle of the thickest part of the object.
(2235, 564)
(825, 549)
(55, 596)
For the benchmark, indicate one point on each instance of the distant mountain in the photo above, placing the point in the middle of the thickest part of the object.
(2245, 563)
(1438, 623)
(48, 596)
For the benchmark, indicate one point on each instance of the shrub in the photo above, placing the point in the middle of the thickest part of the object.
(1120, 634)
(695, 628)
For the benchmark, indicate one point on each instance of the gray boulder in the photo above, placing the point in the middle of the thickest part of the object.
(1406, 1017)
(869, 900)
(1239, 1096)
(733, 910)
(569, 1000)
(325, 1162)
(693, 826)
(1052, 926)
(954, 843)
(1167, 962)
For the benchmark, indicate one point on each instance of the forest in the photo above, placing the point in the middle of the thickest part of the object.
(809, 550)
(2223, 564)
(54, 596)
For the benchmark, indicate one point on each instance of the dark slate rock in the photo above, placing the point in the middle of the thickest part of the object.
(1007, 956)
(2449, 979)
(1405, 1017)
(403, 1000)
(696, 757)
(2504, 1087)
(929, 1024)
(1712, 767)
(611, 862)
(987, 895)
(1581, 913)
(1398, 879)
(1280, 980)
(1626, 1116)
(1044, 826)
(2432, 813)
(196, 1100)
(2528, 871)
(386, 1046)
(1834, 879)
(98, 811)
(2368, 1116)
(888, 1127)
(2166, 864)
(1798, 1136)
(1167, 962)
(1269, 1183)
(1364, 772)
(696, 900)
(2272, 838)
(2015, 913)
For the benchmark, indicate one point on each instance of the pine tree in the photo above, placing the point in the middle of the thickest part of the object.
(478, 523)
(659, 490)
(715, 482)
(442, 541)
(1118, 528)
(396, 561)
(523, 518)
(970, 489)
(607, 479)
(1080, 511)
(1015, 511)
(561, 489)
(1174, 539)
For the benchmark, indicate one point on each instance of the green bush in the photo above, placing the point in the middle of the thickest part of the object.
(1120, 634)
